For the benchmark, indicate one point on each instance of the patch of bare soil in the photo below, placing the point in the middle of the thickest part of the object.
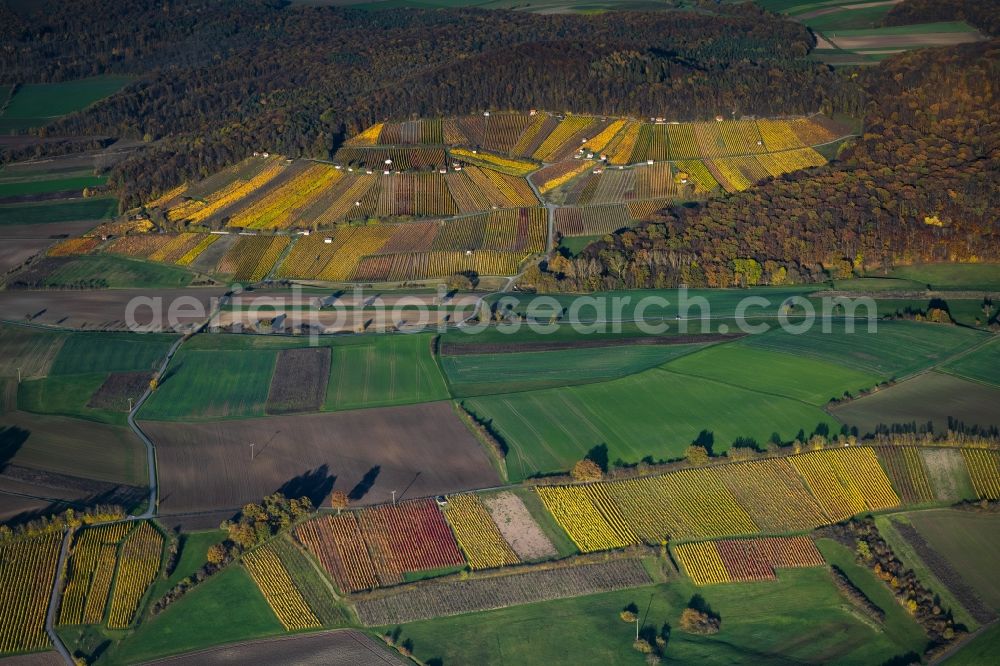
(299, 380)
(414, 451)
(517, 526)
(116, 390)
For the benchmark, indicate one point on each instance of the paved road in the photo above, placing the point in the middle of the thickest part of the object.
(50, 616)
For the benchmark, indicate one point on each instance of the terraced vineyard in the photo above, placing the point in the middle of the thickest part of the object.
(462, 195)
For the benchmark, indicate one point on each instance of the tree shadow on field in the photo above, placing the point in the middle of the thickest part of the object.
(705, 439)
(171, 371)
(365, 484)
(315, 484)
(11, 440)
(599, 456)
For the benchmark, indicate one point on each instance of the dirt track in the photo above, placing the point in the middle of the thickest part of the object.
(419, 450)
(345, 647)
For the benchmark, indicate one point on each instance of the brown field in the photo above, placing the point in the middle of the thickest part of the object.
(15, 251)
(117, 389)
(47, 231)
(517, 526)
(418, 451)
(26, 490)
(299, 380)
(74, 447)
(853, 43)
(931, 396)
(103, 309)
(344, 647)
(30, 350)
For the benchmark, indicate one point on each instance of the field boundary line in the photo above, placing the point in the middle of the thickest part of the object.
(663, 368)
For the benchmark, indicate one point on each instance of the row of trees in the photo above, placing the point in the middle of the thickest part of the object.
(254, 524)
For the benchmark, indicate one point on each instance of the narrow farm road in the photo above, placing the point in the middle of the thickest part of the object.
(151, 507)
(50, 615)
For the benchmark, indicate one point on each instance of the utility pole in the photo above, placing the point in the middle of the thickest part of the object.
(19, 375)
(394, 498)
(251, 451)
(130, 405)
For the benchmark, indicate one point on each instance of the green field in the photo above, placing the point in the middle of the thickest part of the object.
(982, 649)
(226, 608)
(969, 541)
(574, 244)
(83, 362)
(482, 374)
(383, 370)
(11, 188)
(963, 311)
(909, 558)
(982, 365)
(624, 305)
(110, 352)
(806, 379)
(951, 276)
(79, 448)
(896, 349)
(229, 376)
(899, 625)
(654, 413)
(192, 555)
(118, 273)
(915, 29)
(846, 19)
(37, 104)
(97, 208)
(67, 395)
(202, 384)
(798, 619)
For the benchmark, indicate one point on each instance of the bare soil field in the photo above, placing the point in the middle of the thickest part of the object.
(517, 526)
(948, 474)
(15, 251)
(118, 388)
(299, 380)
(73, 447)
(856, 42)
(417, 451)
(47, 231)
(210, 258)
(105, 309)
(345, 647)
(928, 397)
(24, 490)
